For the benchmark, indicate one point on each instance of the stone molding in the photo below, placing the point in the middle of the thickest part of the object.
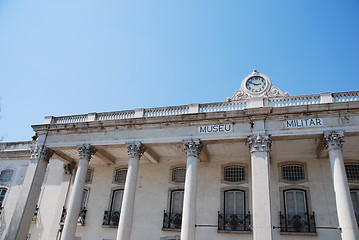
(259, 143)
(333, 139)
(41, 152)
(86, 151)
(135, 149)
(192, 147)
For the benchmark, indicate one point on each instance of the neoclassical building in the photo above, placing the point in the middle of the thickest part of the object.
(261, 165)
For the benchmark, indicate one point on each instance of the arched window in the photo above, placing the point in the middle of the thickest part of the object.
(120, 175)
(293, 172)
(173, 218)
(179, 174)
(6, 175)
(234, 173)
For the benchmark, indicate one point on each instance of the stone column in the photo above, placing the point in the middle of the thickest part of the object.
(135, 151)
(259, 146)
(192, 149)
(29, 196)
(346, 217)
(85, 151)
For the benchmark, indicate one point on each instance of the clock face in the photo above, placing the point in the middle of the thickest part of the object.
(256, 84)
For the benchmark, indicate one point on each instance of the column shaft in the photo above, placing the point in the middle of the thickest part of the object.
(135, 151)
(190, 190)
(29, 196)
(259, 147)
(261, 218)
(73, 211)
(346, 217)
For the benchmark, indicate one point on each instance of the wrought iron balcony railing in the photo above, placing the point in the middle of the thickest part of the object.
(111, 218)
(302, 222)
(82, 216)
(172, 220)
(34, 218)
(234, 222)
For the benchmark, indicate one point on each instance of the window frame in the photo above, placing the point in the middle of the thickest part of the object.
(5, 196)
(114, 175)
(350, 180)
(171, 174)
(305, 172)
(232, 164)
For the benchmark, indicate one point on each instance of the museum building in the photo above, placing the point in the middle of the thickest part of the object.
(261, 165)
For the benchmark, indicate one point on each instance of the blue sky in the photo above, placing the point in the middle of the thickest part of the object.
(72, 57)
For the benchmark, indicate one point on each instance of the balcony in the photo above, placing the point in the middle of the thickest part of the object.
(80, 220)
(111, 219)
(299, 223)
(234, 222)
(172, 220)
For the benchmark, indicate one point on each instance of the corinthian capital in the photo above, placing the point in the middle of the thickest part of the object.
(333, 140)
(41, 152)
(193, 147)
(135, 149)
(86, 151)
(259, 143)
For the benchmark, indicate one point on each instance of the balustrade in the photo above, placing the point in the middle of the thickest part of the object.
(234, 222)
(111, 218)
(301, 222)
(172, 220)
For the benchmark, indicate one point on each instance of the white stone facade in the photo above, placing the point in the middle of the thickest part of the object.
(259, 166)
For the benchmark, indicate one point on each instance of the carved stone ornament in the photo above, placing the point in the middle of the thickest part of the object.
(41, 152)
(267, 90)
(259, 143)
(86, 151)
(69, 168)
(333, 140)
(192, 147)
(135, 149)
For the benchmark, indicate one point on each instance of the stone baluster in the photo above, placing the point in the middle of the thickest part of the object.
(349, 229)
(259, 147)
(85, 151)
(192, 149)
(135, 151)
(29, 196)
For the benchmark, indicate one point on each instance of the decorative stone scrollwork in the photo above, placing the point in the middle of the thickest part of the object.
(135, 149)
(41, 152)
(193, 147)
(259, 143)
(86, 151)
(69, 168)
(333, 140)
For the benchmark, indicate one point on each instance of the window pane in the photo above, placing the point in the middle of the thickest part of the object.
(234, 174)
(120, 175)
(352, 170)
(88, 175)
(179, 174)
(84, 199)
(177, 201)
(295, 201)
(355, 198)
(293, 172)
(234, 202)
(2, 195)
(116, 200)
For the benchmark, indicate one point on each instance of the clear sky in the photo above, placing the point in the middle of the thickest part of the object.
(65, 57)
